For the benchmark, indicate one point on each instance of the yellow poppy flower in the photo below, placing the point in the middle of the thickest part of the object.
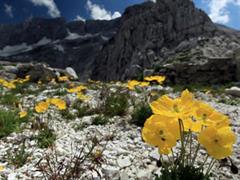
(6, 84)
(217, 141)
(203, 111)
(71, 85)
(179, 108)
(161, 131)
(15, 81)
(218, 119)
(63, 79)
(59, 103)
(42, 107)
(159, 79)
(82, 97)
(131, 84)
(22, 114)
(77, 89)
(209, 116)
(143, 84)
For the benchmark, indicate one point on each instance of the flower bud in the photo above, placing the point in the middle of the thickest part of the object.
(234, 169)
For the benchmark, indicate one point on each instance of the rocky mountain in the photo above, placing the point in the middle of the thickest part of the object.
(169, 37)
(172, 38)
(55, 41)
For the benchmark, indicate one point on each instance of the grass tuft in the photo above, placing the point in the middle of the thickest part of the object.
(9, 99)
(46, 138)
(115, 104)
(100, 120)
(140, 114)
(19, 156)
(9, 122)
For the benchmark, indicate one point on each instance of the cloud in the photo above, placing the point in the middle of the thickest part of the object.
(53, 10)
(8, 10)
(100, 13)
(79, 18)
(218, 10)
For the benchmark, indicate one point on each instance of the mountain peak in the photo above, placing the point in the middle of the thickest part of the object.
(150, 27)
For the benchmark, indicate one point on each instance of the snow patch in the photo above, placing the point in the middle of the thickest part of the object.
(59, 48)
(13, 50)
(104, 38)
(73, 36)
(21, 48)
(43, 41)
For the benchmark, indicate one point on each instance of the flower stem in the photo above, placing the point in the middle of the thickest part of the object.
(182, 154)
(211, 164)
(195, 155)
(201, 167)
(190, 153)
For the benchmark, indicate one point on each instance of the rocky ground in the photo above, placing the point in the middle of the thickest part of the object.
(102, 125)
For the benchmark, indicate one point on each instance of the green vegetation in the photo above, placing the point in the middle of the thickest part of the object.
(182, 173)
(79, 127)
(140, 76)
(80, 162)
(9, 99)
(230, 101)
(21, 89)
(66, 114)
(46, 138)
(100, 120)
(83, 110)
(10, 122)
(60, 92)
(140, 114)
(115, 104)
(19, 156)
(76, 104)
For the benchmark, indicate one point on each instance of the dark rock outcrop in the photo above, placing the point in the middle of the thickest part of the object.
(237, 59)
(32, 31)
(56, 42)
(147, 28)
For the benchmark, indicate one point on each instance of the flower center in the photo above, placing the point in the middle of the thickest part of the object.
(216, 141)
(204, 117)
(175, 108)
(161, 133)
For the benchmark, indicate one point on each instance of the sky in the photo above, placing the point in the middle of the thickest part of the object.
(226, 12)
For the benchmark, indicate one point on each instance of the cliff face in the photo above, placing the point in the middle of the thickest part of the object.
(144, 31)
(170, 37)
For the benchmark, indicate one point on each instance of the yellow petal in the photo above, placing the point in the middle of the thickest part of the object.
(2, 168)
(59, 103)
(186, 97)
(162, 105)
(22, 114)
(41, 107)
